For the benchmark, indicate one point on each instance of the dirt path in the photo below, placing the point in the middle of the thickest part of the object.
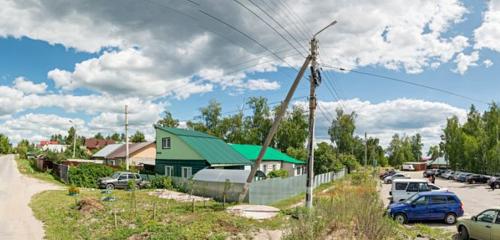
(16, 218)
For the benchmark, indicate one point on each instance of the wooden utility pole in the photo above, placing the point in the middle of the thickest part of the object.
(314, 81)
(126, 139)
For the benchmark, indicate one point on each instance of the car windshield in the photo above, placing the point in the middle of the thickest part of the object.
(115, 175)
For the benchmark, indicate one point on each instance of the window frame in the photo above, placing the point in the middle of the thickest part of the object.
(170, 172)
(189, 173)
(164, 142)
(400, 184)
(492, 220)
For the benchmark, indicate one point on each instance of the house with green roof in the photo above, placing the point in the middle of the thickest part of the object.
(183, 152)
(273, 159)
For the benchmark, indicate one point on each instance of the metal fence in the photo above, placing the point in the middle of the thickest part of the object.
(276, 189)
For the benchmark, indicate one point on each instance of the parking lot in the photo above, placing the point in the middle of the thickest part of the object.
(475, 197)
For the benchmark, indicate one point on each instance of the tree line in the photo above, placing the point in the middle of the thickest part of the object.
(474, 145)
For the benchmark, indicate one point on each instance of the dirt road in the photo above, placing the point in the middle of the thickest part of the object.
(16, 218)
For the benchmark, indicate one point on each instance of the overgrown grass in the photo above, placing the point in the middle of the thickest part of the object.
(172, 220)
(352, 209)
(287, 203)
(27, 167)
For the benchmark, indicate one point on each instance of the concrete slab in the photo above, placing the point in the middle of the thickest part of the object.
(254, 211)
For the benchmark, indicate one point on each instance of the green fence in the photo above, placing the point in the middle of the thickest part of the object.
(276, 189)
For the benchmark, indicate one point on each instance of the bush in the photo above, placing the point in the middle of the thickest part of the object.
(278, 173)
(73, 190)
(162, 182)
(87, 174)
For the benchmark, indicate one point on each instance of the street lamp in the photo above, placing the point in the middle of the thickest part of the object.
(74, 138)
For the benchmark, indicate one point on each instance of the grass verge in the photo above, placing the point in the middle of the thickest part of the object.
(352, 209)
(28, 168)
(139, 217)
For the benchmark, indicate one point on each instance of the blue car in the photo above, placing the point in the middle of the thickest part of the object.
(428, 206)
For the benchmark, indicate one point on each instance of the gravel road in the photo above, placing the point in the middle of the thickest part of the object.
(16, 218)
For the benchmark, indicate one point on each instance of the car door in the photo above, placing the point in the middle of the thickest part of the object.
(438, 207)
(481, 227)
(412, 189)
(122, 181)
(418, 210)
(495, 228)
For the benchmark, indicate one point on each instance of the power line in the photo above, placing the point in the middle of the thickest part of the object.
(407, 82)
(269, 25)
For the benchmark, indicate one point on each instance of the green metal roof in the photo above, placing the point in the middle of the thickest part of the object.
(212, 149)
(251, 152)
(438, 161)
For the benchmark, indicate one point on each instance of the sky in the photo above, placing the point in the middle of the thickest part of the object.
(65, 63)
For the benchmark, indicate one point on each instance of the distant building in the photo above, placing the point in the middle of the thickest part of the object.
(58, 148)
(46, 142)
(272, 160)
(439, 162)
(139, 154)
(94, 143)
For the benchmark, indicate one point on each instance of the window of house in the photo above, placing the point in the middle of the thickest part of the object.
(274, 167)
(169, 171)
(186, 172)
(264, 168)
(165, 143)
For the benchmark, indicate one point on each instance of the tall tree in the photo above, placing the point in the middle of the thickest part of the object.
(137, 137)
(416, 146)
(5, 145)
(70, 136)
(293, 130)
(342, 131)
(434, 152)
(168, 120)
(210, 120)
(98, 136)
(115, 137)
(325, 159)
(259, 123)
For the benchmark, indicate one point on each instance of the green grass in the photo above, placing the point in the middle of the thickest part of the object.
(27, 167)
(173, 220)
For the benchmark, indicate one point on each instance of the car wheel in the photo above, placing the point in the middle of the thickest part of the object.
(463, 234)
(450, 218)
(473, 181)
(110, 186)
(497, 185)
(400, 218)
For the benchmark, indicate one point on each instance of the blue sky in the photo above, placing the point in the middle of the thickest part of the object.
(84, 65)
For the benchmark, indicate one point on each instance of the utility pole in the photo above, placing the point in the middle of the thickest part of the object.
(314, 81)
(126, 138)
(366, 150)
(74, 139)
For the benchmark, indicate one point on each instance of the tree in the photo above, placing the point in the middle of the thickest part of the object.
(168, 120)
(209, 120)
(299, 153)
(71, 136)
(325, 159)
(5, 146)
(416, 146)
(400, 150)
(233, 129)
(257, 126)
(453, 143)
(99, 136)
(434, 152)
(115, 137)
(137, 137)
(293, 130)
(342, 131)
(22, 148)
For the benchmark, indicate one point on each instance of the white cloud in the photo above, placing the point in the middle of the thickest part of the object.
(262, 84)
(487, 35)
(464, 61)
(26, 86)
(488, 63)
(382, 120)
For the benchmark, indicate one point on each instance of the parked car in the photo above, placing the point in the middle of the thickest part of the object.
(120, 180)
(408, 167)
(387, 173)
(429, 172)
(463, 177)
(440, 171)
(496, 184)
(477, 178)
(484, 226)
(447, 175)
(455, 175)
(431, 205)
(389, 179)
(403, 189)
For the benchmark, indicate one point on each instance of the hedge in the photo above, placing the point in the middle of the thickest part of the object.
(87, 174)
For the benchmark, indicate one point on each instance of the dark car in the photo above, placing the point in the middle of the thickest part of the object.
(495, 184)
(120, 180)
(429, 172)
(424, 206)
(477, 178)
(386, 174)
(440, 171)
(463, 177)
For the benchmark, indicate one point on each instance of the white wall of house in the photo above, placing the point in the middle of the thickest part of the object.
(269, 166)
(54, 148)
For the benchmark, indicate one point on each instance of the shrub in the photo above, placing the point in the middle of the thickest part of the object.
(87, 174)
(278, 173)
(162, 182)
(73, 190)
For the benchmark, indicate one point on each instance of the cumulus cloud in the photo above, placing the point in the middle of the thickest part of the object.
(382, 120)
(464, 61)
(488, 63)
(26, 86)
(487, 35)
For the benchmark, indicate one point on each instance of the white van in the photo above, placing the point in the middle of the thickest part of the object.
(408, 167)
(405, 188)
